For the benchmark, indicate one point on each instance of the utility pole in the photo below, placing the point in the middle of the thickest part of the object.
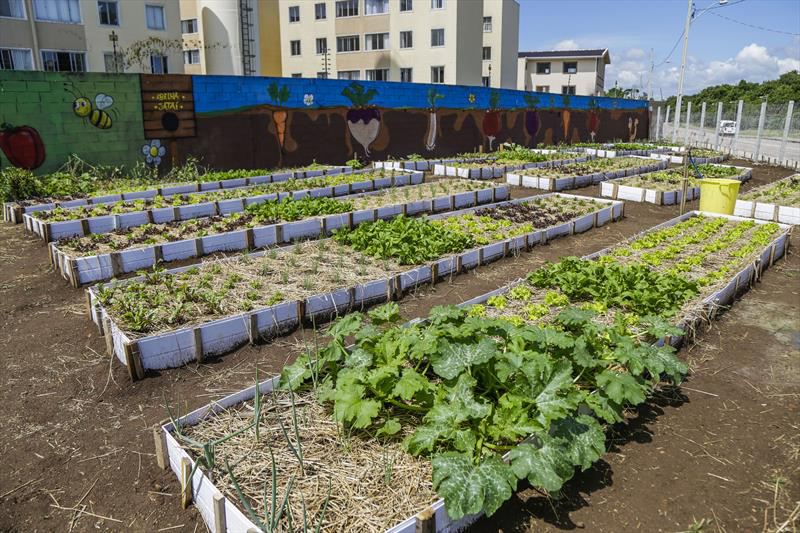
(650, 79)
(683, 70)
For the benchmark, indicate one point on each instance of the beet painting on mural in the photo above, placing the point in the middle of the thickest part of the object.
(259, 122)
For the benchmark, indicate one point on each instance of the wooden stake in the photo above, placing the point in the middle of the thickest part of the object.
(198, 345)
(426, 521)
(220, 520)
(186, 483)
(685, 182)
(108, 333)
(161, 447)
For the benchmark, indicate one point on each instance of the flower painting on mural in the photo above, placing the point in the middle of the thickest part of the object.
(279, 95)
(22, 145)
(532, 117)
(491, 119)
(153, 152)
(363, 122)
(633, 125)
(430, 136)
(593, 118)
(308, 99)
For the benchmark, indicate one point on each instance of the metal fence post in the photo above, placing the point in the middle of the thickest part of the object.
(738, 127)
(786, 126)
(688, 118)
(666, 121)
(703, 121)
(716, 126)
(656, 135)
(760, 130)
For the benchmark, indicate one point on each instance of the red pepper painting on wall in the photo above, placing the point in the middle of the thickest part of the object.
(22, 145)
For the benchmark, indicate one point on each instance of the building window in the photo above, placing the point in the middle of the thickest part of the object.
(406, 75)
(437, 74)
(53, 61)
(191, 57)
(322, 75)
(568, 89)
(377, 74)
(348, 75)
(376, 41)
(189, 26)
(294, 13)
(58, 11)
(109, 14)
(158, 64)
(376, 7)
(319, 12)
(543, 68)
(406, 5)
(15, 58)
(485, 80)
(437, 37)
(570, 67)
(322, 45)
(406, 39)
(487, 53)
(487, 24)
(294, 47)
(542, 88)
(113, 63)
(155, 17)
(347, 43)
(14, 9)
(297, 74)
(437, 4)
(347, 8)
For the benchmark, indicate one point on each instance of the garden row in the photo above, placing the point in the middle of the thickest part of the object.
(423, 426)
(577, 175)
(665, 187)
(97, 257)
(131, 189)
(165, 319)
(80, 221)
(496, 167)
(778, 201)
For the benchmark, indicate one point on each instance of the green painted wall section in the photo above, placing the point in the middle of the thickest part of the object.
(39, 99)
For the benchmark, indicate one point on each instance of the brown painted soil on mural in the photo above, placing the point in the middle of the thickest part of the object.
(78, 448)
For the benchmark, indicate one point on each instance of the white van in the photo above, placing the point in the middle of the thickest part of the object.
(727, 127)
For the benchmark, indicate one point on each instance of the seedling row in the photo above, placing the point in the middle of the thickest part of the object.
(98, 257)
(581, 174)
(165, 319)
(80, 221)
(497, 167)
(454, 410)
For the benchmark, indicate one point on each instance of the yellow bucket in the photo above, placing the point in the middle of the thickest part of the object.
(718, 195)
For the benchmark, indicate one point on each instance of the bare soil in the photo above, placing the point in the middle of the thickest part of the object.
(722, 452)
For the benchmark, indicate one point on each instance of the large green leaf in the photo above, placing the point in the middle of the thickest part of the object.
(621, 387)
(409, 384)
(352, 406)
(559, 396)
(468, 488)
(585, 439)
(454, 358)
(546, 465)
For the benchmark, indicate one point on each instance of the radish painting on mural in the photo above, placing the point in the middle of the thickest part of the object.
(491, 119)
(430, 135)
(532, 122)
(363, 122)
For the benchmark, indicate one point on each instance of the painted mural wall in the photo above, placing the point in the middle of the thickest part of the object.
(259, 122)
(46, 116)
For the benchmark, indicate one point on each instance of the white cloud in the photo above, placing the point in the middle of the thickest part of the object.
(753, 63)
(566, 44)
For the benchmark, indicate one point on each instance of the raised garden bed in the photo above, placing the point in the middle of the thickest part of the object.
(13, 211)
(778, 202)
(665, 187)
(94, 258)
(489, 169)
(147, 325)
(619, 149)
(577, 175)
(80, 221)
(414, 164)
(698, 156)
(521, 389)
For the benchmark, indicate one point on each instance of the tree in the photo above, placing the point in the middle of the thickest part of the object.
(780, 91)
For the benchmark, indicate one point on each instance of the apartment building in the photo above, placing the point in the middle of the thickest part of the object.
(82, 35)
(500, 43)
(570, 72)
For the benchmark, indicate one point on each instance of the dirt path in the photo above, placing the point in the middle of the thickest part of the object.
(76, 434)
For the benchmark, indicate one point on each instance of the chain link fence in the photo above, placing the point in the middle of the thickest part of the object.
(763, 132)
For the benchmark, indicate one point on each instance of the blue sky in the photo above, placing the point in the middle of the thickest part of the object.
(720, 51)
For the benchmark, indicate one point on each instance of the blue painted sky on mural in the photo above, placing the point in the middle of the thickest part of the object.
(224, 93)
(720, 50)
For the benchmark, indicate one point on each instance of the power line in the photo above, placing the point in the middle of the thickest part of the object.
(754, 26)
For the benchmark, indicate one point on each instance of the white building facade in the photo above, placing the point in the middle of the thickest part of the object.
(573, 72)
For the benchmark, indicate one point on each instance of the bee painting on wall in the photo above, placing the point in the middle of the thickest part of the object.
(97, 112)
